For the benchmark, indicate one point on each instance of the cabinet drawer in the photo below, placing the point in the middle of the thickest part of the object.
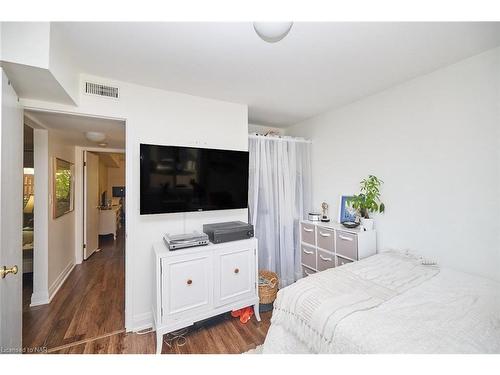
(308, 233)
(306, 271)
(325, 260)
(341, 261)
(326, 239)
(235, 276)
(347, 245)
(186, 286)
(308, 255)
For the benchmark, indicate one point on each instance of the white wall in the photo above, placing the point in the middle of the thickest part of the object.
(160, 117)
(116, 177)
(61, 253)
(435, 141)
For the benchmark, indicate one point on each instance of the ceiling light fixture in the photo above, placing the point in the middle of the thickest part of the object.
(95, 136)
(272, 32)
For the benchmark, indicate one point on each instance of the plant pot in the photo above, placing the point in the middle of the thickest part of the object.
(367, 223)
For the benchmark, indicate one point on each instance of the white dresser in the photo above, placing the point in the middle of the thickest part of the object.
(328, 245)
(200, 282)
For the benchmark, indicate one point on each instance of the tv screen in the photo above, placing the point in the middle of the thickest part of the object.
(183, 179)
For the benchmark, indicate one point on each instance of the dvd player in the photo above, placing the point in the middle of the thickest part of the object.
(228, 231)
(182, 241)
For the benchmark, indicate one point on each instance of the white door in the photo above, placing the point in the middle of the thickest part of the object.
(11, 201)
(91, 205)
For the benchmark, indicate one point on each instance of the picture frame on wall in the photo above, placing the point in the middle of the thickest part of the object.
(62, 188)
(345, 212)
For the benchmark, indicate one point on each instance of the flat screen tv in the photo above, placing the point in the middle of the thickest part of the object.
(184, 179)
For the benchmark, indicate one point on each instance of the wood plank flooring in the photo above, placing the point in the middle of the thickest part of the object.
(220, 335)
(87, 316)
(89, 304)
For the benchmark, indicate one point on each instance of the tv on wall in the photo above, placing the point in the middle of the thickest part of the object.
(184, 179)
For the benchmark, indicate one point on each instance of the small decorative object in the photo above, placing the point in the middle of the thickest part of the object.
(314, 216)
(351, 224)
(62, 190)
(324, 217)
(346, 212)
(368, 200)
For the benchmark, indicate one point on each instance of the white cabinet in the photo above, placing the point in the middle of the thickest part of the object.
(236, 271)
(186, 283)
(200, 282)
(328, 245)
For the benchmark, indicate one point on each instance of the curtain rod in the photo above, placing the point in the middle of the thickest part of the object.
(279, 138)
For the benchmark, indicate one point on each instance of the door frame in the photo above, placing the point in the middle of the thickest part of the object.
(80, 197)
(51, 107)
(78, 183)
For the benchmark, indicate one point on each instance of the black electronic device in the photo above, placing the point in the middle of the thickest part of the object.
(183, 179)
(228, 231)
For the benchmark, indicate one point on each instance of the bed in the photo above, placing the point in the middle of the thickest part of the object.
(393, 302)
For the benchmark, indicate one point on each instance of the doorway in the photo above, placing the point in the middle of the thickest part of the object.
(85, 292)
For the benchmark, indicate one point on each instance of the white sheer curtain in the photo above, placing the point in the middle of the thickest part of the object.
(279, 196)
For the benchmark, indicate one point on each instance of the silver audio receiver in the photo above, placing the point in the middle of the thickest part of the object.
(182, 241)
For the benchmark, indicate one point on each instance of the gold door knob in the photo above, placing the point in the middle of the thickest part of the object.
(4, 271)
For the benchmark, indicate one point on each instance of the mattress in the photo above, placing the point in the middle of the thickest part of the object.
(445, 312)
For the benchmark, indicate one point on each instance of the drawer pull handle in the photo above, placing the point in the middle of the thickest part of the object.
(345, 238)
(189, 282)
(324, 234)
(308, 252)
(325, 259)
(308, 229)
(236, 270)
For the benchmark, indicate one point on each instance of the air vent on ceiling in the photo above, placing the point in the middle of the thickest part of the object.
(101, 90)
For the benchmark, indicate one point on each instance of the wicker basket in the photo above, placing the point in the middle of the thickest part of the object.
(267, 293)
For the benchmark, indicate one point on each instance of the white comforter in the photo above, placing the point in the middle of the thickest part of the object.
(388, 303)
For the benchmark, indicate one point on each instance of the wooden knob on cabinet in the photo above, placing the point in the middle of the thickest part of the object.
(189, 282)
(236, 270)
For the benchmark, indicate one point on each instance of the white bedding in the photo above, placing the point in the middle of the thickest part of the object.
(409, 310)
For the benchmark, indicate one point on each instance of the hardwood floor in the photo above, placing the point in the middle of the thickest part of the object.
(220, 335)
(87, 316)
(91, 302)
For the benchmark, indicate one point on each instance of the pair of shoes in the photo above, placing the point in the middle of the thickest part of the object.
(245, 314)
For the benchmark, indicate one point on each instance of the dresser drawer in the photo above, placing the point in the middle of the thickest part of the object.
(347, 245)
(235, 276)
(306, 271)
(326, 239)
(341, 261)
(308, 233)
(308, 256)
(186, 287)
(325, 260)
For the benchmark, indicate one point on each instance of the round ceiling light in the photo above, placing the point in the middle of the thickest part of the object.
(272, 32)
(95, 136)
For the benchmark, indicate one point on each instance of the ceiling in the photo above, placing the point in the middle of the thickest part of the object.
(72, 128)
(318, 66)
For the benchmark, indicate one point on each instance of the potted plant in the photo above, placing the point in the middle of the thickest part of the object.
(368, 200)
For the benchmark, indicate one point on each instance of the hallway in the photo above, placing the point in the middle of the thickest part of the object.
(90, 304)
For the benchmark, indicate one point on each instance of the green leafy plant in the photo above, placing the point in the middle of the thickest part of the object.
(368, 200)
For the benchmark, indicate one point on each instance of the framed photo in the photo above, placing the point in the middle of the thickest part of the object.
(62, 189)
(346, 213)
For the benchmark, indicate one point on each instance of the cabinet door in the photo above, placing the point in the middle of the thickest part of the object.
(235, 275)
(186, 285)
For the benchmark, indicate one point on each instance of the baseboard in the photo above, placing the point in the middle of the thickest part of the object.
(142, 321)
(39, 298)
(56, 285)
